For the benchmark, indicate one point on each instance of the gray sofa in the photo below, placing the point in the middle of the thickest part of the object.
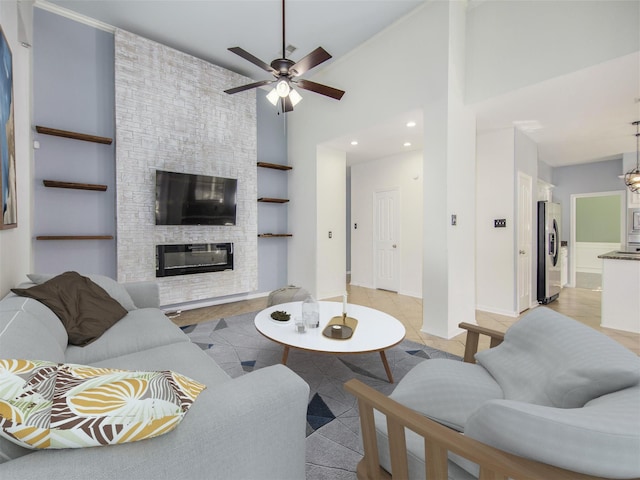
(244, 428)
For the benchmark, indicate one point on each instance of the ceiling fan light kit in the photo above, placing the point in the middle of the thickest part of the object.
(285, 72)
(632, 177)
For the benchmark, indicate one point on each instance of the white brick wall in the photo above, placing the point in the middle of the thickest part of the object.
(172, 114)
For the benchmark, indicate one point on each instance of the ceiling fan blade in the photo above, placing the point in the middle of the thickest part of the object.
(319, 88)
(255, 60)
(231, 91)
(287, 106)
(314, 59)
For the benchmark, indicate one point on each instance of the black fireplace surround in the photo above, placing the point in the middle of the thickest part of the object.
(191, 258)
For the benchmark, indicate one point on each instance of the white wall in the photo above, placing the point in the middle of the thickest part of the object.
(403, 171)
(416, 42)
(461, 168)
(15, 243)
(332, 264)
(514, 44)
(495, 198)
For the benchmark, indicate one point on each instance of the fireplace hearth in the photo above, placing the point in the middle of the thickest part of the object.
(189, 258)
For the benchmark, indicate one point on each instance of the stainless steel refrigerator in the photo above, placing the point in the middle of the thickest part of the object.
(549, 283)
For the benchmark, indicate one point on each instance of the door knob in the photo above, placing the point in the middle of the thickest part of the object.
(394, 245)
(522, 252)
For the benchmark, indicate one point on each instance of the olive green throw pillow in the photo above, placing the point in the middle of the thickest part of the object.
(85, 309)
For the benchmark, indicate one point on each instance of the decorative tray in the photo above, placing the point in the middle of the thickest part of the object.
(340, 328)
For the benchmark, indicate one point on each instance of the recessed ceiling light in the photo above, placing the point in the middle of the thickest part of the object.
(411, 124)
(407, 144)
(354, 142)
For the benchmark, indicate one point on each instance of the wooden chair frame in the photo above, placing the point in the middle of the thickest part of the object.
(494, 464)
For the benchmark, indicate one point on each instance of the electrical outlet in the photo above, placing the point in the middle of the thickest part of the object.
(500, 223)
(355, 226)
(454, 219)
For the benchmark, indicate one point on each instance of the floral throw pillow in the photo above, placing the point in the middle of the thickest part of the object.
(55, 405)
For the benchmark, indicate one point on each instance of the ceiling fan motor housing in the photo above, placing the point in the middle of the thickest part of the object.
(282, 65)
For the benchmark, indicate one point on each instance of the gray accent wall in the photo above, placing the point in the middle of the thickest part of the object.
(585, 178)
(272, 217)
(73, 90)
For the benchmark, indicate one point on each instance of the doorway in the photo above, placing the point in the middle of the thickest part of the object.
(525, 240)
(597, 227)
(386, 242)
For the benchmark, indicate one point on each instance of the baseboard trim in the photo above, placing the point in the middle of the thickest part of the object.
(213, 301)
(411, 294)
(498, 311)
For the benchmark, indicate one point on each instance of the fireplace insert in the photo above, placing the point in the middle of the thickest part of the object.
(191, 258)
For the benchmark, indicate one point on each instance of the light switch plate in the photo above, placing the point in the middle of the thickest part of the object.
(500, 223)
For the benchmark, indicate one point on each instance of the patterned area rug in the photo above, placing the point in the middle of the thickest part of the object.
(333, 443)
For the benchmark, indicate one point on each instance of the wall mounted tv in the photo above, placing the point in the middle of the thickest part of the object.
(185, 199)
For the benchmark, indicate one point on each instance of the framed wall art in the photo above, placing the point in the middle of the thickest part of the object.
(8, 199)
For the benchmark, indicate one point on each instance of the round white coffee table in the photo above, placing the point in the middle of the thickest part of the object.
(376, 331)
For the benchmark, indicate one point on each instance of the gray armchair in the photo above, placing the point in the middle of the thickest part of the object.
(553, 399)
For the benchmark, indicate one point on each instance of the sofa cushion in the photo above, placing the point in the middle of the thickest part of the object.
(602, 438)
(84, 308)
(447, 391)
(13, 303)
(48, 405)
(23, 335)
(115, 290)
(550, 359)
(139, 330)
(183, 357)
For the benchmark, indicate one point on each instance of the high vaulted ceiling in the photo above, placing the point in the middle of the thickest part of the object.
(581, 117)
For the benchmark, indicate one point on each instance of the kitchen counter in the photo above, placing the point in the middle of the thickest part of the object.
(620, 287)
(618, 255)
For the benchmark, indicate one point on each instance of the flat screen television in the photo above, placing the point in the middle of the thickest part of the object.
(185, 199)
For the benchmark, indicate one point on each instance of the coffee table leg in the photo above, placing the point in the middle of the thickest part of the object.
(383, 356)
(285, 355)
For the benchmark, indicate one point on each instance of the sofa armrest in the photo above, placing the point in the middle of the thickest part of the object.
(144, 294)
(473, 337)
(438, 442)
(251, 427)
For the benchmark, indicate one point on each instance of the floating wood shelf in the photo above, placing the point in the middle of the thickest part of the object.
(76, 186)
(74, 237)
(76, 136)
(273, 200)
(273, 235)
(275, 166)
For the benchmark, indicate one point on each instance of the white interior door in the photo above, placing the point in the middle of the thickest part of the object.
(386, 245)
(525, 240)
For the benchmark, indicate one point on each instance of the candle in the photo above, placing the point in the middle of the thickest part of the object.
(344, 303)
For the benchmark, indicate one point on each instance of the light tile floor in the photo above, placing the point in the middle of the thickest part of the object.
(578, 303)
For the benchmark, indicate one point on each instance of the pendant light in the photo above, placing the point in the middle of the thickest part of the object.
(632, 178)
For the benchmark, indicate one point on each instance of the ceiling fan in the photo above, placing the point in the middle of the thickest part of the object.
(286, 72)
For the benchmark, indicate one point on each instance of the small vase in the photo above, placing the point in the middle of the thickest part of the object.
(311, 312)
